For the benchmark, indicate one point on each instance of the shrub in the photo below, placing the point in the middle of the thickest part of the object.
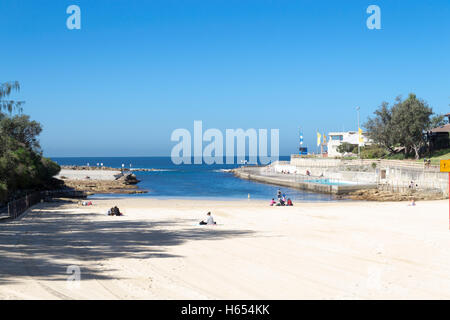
(346, 147)
(397, 156)
(373, 152)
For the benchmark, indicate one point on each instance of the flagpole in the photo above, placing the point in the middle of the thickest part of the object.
(321, 146)
(359, 144)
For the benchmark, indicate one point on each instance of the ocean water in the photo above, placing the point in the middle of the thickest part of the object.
(193, 181)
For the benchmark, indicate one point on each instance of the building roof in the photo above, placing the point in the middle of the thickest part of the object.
(444, 128)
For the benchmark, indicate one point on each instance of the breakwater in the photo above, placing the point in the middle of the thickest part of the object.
(303, 182)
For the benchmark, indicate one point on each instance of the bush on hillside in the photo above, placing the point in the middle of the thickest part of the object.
(373, 152)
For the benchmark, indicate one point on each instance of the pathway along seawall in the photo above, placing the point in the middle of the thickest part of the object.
(298, 182)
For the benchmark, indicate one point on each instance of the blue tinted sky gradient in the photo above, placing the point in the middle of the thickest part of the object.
(137, 70)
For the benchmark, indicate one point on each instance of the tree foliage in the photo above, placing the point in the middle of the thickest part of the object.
(403, 124)
(410, 119)
(5, 90)
(346, 147)
(438, 120)
(22, 166)
(379, 128)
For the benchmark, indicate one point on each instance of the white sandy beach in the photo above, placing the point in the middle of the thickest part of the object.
(345, 250)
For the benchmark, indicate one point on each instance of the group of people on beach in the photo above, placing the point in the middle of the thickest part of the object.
(114, 211)
(282, 200)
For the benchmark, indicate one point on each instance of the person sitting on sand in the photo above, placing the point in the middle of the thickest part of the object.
(289, 202)
(209, 220)
(413, 203)
(114, 212)
(272, 202)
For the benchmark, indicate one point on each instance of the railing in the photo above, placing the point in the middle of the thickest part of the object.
(15, 208)
(297, 177)
(395, 185)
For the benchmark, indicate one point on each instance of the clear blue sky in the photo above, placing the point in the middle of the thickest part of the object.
(137, 70)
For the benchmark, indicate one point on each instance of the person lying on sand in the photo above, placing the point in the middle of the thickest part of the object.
(209, 220)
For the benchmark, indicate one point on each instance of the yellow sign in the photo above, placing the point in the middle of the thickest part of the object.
(445, 165)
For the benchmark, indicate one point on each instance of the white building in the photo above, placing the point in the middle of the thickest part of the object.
(335, 139)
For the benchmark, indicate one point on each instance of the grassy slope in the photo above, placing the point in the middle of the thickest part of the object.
(438, 156)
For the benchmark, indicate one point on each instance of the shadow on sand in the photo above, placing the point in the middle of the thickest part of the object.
(40, 244)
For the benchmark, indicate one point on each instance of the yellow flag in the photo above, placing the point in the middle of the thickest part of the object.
(324, 139)
(360, 136)
(319, 136)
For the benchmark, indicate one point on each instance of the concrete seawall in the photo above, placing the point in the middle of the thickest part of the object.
(393, 175)
(289, 181)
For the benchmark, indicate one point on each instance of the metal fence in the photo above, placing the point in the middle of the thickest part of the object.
(15, 208)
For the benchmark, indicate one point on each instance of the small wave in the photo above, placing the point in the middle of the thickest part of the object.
(223, 170)
(152, 170)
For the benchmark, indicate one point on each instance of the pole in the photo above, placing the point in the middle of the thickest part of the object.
(359, 146)
(449, 199)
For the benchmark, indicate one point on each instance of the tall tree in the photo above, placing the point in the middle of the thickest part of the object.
(5, 90)
(22, 166)
(410, 118)
(379, 128)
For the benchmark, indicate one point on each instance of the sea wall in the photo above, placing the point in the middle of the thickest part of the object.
(393, 174)
(297, 182)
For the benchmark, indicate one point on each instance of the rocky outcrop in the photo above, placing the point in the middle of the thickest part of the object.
(103, 187)
(381, 195)
(128, 179)
(109, 181)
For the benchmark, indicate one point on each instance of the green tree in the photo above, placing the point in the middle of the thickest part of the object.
(438, 120)
(410, 118)
(21, 129)
(403, 124)
(379, 128)
(22, 166)
(346, 147)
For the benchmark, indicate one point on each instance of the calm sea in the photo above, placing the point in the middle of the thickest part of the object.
(193, 181)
